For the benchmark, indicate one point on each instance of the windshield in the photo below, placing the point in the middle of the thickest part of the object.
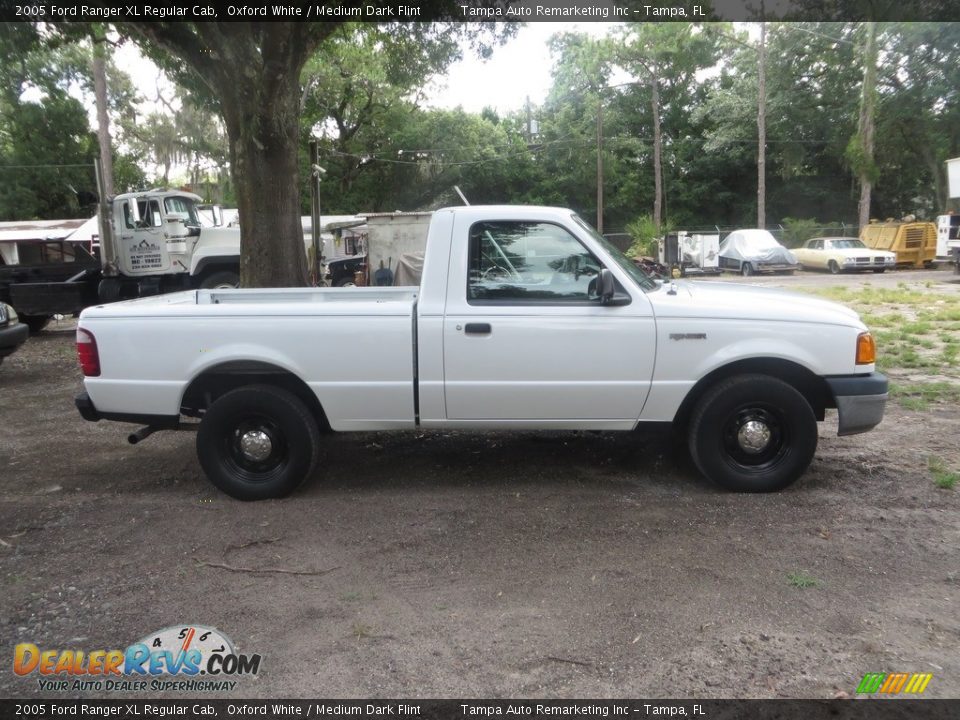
(626, 264)
(180, 204)
(845, 244)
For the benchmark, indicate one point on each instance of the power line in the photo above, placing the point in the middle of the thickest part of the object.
(22, 167)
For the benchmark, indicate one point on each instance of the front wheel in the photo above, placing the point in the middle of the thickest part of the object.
(746, 269)
(258, 442)
(222, 280)
(833, 267)
(753, 433)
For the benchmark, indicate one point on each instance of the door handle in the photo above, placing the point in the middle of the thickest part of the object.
(477, 328)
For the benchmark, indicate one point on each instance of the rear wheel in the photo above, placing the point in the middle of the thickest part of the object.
(258, 442)
(346, 282)
(833, 267)
(753, 433)
(746, 269)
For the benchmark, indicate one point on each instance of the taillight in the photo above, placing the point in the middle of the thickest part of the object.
(87, 353)
(866, 349)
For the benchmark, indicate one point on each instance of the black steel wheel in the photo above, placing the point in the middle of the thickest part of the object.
(258, 442)
(753, 433)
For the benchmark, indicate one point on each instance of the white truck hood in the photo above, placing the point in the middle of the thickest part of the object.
(735, 301)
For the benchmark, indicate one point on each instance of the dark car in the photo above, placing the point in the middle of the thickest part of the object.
(13, 333)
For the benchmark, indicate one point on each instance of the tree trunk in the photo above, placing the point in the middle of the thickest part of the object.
(866, 125)
(657, 149)
(103, 120)
(265, 170)
(762, 130)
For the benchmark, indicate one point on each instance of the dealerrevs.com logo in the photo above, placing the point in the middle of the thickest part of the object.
(187, 658)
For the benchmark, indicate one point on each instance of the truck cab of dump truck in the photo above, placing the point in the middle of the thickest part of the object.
(158, 244)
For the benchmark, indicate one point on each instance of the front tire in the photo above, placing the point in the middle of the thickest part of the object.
(223, 280)
(753, 433)
(746, 269)
(833, 267)
(258, 442)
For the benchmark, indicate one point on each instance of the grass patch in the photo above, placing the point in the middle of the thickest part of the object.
(943, 478)
(917, 332)
(919, 396)
(802, 580)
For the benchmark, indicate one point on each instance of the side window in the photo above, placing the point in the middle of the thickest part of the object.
(529, 262)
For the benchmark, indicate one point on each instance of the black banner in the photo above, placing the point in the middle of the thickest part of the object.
(887, 709)
(476, 10)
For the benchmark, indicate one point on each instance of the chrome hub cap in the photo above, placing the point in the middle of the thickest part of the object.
(753, 436)
(256, 445)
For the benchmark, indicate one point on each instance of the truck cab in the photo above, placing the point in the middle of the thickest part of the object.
(161, 245)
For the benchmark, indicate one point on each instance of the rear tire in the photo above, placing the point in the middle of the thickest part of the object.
(346, 282)
(258, 442)
(752, 433)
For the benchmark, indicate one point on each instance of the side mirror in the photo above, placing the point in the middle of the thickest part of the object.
(605, 286)
(606, 289)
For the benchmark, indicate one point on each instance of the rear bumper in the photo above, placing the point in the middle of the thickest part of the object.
(860, 400)
(12, 337)
(89, 411)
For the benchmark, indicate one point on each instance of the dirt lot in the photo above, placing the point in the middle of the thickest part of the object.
(458, 564)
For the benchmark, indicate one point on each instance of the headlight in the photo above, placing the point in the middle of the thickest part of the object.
(4, 314)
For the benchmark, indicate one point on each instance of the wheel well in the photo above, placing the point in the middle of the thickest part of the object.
(208, 266)
(204, 389)
(811, 386)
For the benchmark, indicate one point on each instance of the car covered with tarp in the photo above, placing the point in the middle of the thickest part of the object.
(755, 251)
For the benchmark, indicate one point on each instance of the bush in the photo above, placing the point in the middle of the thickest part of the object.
(645, 236)
(797, 231)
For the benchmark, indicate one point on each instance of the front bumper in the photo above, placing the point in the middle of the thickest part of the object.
(12, 337)
(860, 401)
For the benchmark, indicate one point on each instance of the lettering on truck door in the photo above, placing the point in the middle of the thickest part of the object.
(526, 337)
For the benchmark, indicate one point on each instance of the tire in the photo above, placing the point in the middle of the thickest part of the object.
(833, 267)
(36, 323)
(746, 269)
(108, 290)
(719, 443)
(222, 280)
(879, 270)
(346, 282)
(281, 419)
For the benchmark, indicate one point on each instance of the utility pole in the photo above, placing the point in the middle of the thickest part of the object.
(103, 120)
(762, 127)
(600, 163)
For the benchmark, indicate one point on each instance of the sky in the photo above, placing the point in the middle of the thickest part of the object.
(516, 70)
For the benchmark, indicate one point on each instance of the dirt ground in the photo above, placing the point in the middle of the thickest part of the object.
(485, 565)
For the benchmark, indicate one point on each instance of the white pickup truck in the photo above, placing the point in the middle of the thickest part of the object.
(525, 319)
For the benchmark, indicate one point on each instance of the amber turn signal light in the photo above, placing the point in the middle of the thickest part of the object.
(866, 349)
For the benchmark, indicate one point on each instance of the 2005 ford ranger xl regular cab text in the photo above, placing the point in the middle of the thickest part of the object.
(525, 319)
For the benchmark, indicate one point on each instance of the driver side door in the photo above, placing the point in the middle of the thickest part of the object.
(527, 339)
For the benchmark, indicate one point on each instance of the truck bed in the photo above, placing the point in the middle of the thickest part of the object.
(355, 347)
